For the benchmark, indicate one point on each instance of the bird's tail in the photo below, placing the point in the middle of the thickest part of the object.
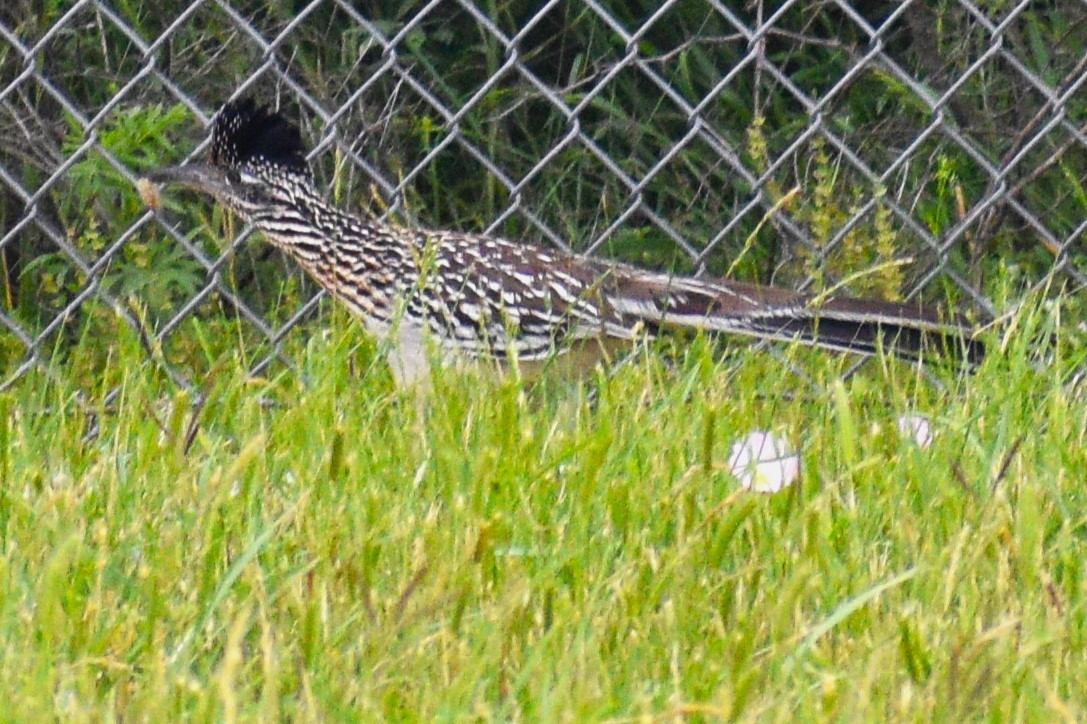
(866, 326)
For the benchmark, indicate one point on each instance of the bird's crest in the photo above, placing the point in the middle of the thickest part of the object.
(246, 132)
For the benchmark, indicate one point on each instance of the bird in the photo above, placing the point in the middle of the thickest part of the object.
(441, 296)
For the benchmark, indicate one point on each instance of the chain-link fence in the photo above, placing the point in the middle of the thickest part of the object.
(900, 148)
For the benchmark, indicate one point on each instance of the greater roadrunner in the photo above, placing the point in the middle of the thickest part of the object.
(485, 297)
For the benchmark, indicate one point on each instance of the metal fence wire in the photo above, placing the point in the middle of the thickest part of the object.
(901, 149)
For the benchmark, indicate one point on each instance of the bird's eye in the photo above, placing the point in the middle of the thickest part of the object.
(248, 178)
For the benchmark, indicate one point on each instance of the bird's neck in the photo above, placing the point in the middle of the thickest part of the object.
(363, 262)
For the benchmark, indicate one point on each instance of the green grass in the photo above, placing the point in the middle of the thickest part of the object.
(320, 550)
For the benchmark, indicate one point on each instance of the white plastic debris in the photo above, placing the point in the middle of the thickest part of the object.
(917, 428)
(764, 463)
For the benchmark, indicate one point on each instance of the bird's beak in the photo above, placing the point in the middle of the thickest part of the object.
(195, 176)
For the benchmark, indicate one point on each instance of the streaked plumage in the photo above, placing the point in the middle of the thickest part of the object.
(485, 297)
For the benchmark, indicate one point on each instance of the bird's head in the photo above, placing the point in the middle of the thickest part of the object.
(257, 163)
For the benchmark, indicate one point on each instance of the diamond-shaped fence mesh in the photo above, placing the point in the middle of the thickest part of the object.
(900, 149)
